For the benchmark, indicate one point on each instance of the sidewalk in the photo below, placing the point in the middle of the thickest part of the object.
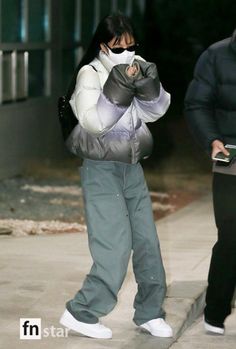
(39, 273)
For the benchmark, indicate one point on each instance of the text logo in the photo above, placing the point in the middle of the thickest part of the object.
(30, 328)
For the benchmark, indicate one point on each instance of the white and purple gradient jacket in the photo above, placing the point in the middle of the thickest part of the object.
(107, 131)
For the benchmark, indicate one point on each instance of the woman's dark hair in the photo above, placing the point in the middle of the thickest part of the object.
(114, 25)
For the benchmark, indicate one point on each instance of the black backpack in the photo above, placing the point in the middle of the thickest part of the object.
(65, 113)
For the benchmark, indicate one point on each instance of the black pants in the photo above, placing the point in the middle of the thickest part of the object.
(222, 272)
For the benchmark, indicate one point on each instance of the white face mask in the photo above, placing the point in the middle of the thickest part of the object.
(125, 57)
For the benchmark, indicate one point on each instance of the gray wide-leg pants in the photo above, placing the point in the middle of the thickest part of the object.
(119, 219)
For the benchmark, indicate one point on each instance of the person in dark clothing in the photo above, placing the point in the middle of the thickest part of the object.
(210, 110)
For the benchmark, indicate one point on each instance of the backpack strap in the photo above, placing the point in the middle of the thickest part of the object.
(93, 67)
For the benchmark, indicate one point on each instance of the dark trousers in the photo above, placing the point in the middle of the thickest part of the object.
(222, 272)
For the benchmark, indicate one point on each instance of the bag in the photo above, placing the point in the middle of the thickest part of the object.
(66, 116)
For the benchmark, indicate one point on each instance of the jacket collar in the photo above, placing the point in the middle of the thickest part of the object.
(102, 68)
(105, 60)
(233, 42)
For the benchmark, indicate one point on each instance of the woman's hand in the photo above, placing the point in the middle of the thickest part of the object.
(119, 88)
(217, 147)
(132, 70)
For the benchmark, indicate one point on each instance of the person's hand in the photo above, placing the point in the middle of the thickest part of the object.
(119, 88)
(132, 70)
(218, 146)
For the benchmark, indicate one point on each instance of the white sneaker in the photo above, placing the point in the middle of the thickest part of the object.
(213, 329)
(90, 330)
(158, 327)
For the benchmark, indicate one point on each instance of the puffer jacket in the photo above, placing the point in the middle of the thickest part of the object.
(109, 131)
(210, 102)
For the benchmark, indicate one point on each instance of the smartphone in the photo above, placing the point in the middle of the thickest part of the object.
(221, 157)
(227, 159)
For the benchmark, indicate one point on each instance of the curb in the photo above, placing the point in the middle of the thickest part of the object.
(194, 313)
(184, 303)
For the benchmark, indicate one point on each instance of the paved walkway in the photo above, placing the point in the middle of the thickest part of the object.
(39, 273)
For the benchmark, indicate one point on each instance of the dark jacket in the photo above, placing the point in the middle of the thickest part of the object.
(210, 102)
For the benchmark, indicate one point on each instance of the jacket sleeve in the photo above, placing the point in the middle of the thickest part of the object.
(119, 88)
(200, 102)
(152, 110)
(95, 112)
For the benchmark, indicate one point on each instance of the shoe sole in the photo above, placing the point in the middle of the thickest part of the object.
(157, 333)
(68, 320)
(213, 329)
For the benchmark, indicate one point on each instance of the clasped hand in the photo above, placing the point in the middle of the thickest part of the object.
(124, 82)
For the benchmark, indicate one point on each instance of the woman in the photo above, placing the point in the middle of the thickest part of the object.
(116, 93)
